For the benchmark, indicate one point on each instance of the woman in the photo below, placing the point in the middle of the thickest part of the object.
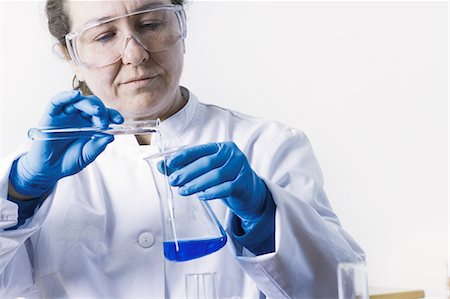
(79, 217)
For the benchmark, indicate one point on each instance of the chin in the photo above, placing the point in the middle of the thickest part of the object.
(143, 113)
(145, 105)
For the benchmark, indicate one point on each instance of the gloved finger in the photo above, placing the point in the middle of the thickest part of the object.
(162, 169)
(115, 116)
(70, 109)
(90, 105)
(200, 167)
(219, 191)
(60, 100)
(94, 147)
(94, 107)
(191, 154)
(229, 172)
(207, 180)
(240, 206)
(90, 108)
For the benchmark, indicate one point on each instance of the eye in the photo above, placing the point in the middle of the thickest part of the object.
(151, 25)
(105, 37)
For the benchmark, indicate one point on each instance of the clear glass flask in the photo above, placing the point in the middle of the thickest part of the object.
(191, 229)
(352, 281)
(201, 285)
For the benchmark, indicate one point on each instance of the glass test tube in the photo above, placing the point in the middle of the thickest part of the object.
(140, 127)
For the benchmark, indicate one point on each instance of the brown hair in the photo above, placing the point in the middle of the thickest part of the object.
(59, 25)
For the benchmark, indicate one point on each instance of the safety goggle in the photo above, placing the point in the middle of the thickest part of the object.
(101, 43)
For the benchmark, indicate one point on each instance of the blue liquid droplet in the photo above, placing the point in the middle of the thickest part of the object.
(192, 249)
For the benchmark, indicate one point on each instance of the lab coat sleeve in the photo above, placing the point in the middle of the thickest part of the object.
(16, 271)
(309, 241)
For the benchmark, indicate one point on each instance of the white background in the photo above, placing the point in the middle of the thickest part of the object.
(366, 81)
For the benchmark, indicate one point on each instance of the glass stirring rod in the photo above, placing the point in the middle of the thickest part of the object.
(139, 127)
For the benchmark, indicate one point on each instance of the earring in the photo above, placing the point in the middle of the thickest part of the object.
(81, 86)
(75, 83)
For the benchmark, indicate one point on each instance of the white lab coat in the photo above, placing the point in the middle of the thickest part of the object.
(86, 240)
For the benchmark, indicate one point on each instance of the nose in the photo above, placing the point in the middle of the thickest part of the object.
(134, 52)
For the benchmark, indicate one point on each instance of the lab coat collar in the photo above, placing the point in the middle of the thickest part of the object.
(177, 123)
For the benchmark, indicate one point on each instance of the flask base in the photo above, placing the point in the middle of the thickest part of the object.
(192, 249)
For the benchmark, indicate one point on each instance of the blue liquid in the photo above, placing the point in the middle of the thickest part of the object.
(192, 249)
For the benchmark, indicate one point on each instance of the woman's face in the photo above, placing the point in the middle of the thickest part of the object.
(140, 85)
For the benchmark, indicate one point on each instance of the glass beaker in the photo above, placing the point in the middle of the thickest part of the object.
(352, 281)
(190, 227)
(201, 285)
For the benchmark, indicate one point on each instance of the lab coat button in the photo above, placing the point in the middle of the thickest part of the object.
(146, 240)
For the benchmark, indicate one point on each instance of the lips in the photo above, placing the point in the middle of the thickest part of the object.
(141, 79)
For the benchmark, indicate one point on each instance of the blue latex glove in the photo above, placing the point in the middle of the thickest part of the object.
(219, 170)
(37, 171)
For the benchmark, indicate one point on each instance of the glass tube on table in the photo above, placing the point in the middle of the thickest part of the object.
(352, 281)
(201, 285)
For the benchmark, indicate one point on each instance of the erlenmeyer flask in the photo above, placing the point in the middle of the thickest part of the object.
(352, 281)
(191, 229)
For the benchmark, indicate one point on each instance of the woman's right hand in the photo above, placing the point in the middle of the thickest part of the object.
(37, 171)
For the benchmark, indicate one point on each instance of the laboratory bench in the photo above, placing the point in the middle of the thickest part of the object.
(386, 293)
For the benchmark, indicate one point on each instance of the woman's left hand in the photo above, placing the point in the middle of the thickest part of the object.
(218, 170)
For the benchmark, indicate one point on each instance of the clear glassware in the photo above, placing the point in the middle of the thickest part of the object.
(352, 281)
(140, 127)
(191, 229)
(201, 286)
